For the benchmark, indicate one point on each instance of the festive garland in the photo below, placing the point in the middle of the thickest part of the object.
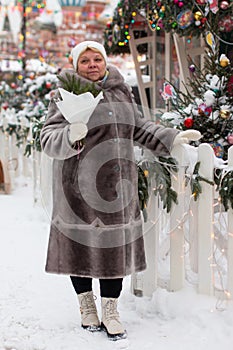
(224, 182)
(195, 182)
(34, 143)
(163, 168)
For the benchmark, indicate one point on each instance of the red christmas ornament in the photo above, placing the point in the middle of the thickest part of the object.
(32, 76)
(201, 2)
(109, 25)
(48, 85)
(13, 85)
(203, 20)
(5, 106)
(188, 122)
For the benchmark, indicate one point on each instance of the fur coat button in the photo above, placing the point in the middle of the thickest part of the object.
(116, 168)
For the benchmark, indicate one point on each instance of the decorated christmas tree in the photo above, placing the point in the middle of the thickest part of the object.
(207, 103)
(186, 18)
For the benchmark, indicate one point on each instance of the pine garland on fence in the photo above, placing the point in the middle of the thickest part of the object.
(196, 188)
(224, 182)
(34, 143)
(162, 171)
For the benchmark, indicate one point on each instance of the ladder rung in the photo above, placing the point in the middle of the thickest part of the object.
(196, 51)
(146, 62)
(145, 40)
(148, 84)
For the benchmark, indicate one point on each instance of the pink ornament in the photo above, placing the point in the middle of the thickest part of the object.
(230, 139)
(180, 4)
(224, 5)
(175, 2)
(197, 23)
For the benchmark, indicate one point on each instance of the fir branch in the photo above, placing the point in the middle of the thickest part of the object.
(74, 85)
(34, 143)
(143, 190)
(162, 170)
(225, 188)
(195, 185)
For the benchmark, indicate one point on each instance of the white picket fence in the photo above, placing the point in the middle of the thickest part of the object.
(196, 238)
(193, 243)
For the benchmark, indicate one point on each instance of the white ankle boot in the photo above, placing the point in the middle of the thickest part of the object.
(89, 317)
(110, 319)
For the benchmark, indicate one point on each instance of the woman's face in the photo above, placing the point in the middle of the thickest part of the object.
(91, 65)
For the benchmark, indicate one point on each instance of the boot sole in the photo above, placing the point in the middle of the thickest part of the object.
(114, 337)
(92, 328)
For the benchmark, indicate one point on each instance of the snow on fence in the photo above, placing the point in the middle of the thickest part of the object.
(193, 242)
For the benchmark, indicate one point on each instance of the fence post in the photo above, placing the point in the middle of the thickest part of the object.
(230, 236)
(205, 221)
(145, 283)
(4, 154)
(36, 175)
(193, 236)
(15, 156)
(177, 272)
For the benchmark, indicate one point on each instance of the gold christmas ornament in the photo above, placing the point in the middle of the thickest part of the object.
(224, 61)
(224, 114)
(198, 16)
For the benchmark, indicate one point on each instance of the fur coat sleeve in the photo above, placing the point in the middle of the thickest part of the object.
(54, 136)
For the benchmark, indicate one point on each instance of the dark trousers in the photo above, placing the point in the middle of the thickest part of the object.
(109, 288)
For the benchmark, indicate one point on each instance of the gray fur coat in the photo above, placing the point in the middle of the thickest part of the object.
(96, 228)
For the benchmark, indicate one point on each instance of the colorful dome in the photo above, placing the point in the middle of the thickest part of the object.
(72, 2)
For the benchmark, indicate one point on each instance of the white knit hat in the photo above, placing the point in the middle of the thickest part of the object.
(81, 47)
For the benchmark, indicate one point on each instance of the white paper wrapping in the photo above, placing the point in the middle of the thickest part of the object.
(77, 108)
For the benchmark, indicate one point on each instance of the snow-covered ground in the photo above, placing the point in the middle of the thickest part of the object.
(40, 311)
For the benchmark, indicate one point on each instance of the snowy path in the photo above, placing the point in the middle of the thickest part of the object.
(39, 311)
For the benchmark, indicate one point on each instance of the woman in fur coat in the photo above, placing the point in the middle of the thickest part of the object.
(96, 229)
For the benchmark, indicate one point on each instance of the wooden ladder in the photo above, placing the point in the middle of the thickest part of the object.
(149, 64)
